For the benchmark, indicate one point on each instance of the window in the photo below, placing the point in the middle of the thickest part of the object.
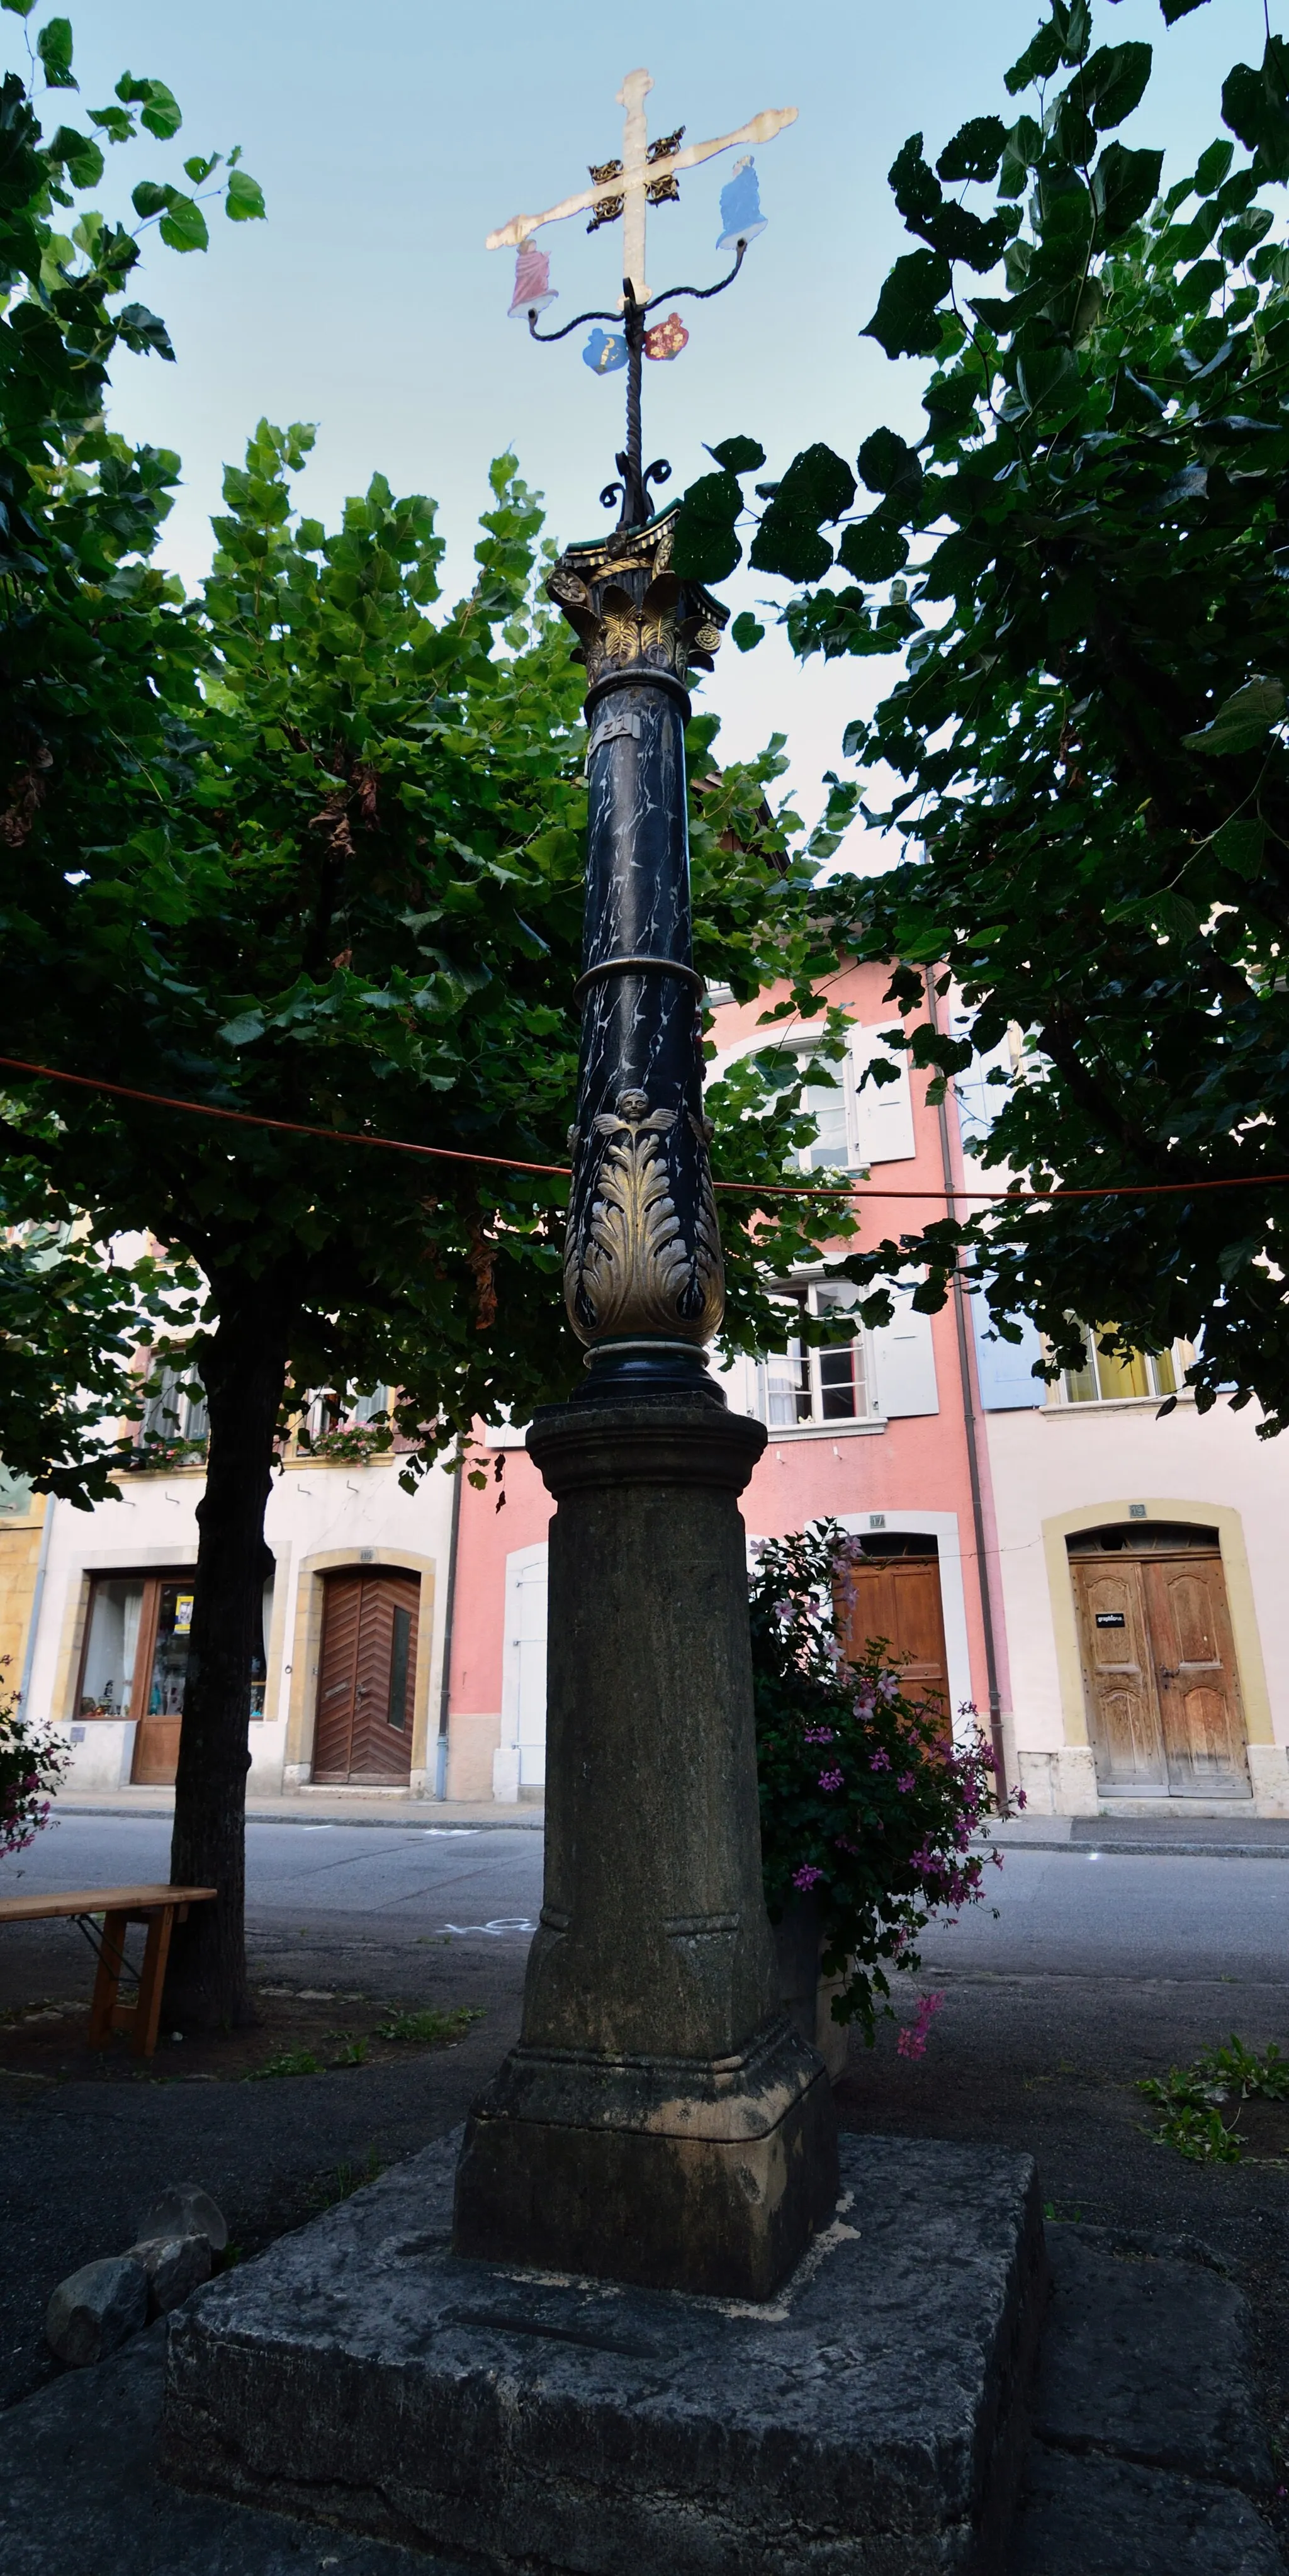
(826, 1100)
(135, 1661)
(1109, 1377)
(798, 1385)
(373, 1407)
(175, 1412)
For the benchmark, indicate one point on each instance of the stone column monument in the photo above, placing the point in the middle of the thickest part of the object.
(660, 2120)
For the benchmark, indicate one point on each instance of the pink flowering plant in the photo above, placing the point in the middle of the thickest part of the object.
(868, 1809)
(32, 1762)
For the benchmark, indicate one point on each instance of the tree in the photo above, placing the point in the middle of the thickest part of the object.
(334, 878)
(360, 910)
(88, 631)
(1082, 564)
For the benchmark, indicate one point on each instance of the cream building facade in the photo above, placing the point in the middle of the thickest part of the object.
(105, 1651)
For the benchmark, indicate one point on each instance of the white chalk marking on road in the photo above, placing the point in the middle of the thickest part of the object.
(504, 1923)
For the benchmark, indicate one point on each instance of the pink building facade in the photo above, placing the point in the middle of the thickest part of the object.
(878, 1435)
(1101, 1580)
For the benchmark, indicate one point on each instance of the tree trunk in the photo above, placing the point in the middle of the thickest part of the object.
(243, 1370)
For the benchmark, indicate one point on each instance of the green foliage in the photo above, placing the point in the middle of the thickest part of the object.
(1190, 2098)
(1084, 743)
(706, 545)
(867, 1808)
(431, 2026)
(818, 487)
(97, 662)
(348, 2177)
(288, 2061)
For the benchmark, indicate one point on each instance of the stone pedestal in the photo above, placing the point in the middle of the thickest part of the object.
(867, 2422)
(660, 2120)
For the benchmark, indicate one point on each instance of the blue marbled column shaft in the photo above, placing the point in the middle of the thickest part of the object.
(637, 835)
(641, 1030)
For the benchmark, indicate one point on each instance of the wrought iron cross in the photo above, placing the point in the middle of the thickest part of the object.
(645, 176)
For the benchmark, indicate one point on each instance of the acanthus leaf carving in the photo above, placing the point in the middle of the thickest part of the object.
(627, 1266)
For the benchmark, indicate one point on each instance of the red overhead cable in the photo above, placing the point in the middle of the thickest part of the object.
(510, 1163)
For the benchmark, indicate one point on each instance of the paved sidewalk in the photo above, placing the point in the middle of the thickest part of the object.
(326, 1807)
(1207, 1836)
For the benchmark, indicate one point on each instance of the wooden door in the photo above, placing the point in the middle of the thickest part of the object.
(1199, 1701)
(1118, 1674)
(367, 1677)
(898, 1598)
(1159, 1673)
(160, 1670)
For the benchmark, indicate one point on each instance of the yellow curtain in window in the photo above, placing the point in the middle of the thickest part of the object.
(1121, 1376)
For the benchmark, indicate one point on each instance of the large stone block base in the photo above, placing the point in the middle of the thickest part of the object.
(868, 2422)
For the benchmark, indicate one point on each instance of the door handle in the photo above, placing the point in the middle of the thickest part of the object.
(1165, 1674)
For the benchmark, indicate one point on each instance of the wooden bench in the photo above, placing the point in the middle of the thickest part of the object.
(159, 1907)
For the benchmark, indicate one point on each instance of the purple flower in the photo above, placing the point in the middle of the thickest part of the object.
(880, 1760)
(817, 1734)
(831, 1779)
(912, 2039)
(806, 1877)
(904, 1783)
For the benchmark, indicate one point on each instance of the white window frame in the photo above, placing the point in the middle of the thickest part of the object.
(882, 1113)
(810, 1158)
(1059, 1398)
(812, 1384)
(521, 1758)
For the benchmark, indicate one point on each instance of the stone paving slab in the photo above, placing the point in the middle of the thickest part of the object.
(80, 2494)
(864, 2423)
(1147, 2359)
(1099, 2517)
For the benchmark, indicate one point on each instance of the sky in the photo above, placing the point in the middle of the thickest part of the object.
(390, 138)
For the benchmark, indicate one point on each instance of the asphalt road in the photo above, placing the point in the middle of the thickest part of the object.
(418, 1878)
(1055, 1914)
(1096, 1972)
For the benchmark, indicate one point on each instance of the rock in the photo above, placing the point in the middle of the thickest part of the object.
(184, 2209)
(96, 2309)
(174, 2265)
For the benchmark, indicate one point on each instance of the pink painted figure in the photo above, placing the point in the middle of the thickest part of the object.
(666, 339)
(533, 289)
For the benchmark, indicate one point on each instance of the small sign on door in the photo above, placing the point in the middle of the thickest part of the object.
(1109, 1618)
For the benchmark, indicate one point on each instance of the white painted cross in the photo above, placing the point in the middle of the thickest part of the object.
(635, 181)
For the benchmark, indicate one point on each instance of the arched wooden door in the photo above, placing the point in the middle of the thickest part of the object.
(897, 1597)
(367, 1676)
(1159, 1672)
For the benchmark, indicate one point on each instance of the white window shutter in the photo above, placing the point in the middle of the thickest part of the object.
(904, 1360)
(883, 1111)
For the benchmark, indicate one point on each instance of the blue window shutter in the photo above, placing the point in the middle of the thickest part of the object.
(1007, 1384)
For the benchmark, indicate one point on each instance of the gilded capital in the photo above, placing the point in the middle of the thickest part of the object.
(630, 611)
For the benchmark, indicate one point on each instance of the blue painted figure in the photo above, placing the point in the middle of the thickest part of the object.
(605, 351)
(741, 216)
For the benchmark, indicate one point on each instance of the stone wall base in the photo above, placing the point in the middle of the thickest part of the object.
(1065, 1784)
